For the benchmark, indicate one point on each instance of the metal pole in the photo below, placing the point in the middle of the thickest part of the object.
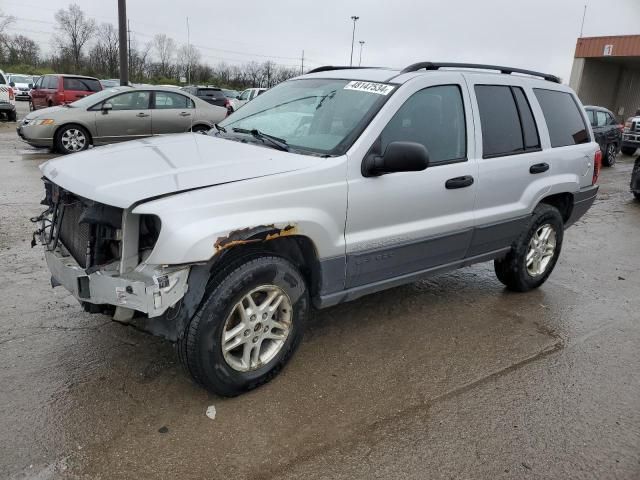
(361, 45)
(353, 38)
(188, 54)
(302, 64)
(122, 37)
(129, 41)
(584, 14)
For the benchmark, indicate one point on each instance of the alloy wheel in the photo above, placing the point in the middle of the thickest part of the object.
(73, 140)
(257, 328)
(542, 247)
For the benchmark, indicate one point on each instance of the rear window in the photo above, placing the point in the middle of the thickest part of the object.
(82, 84)
(210, 92)
(564, 121)
(2, 81)
(508, 125)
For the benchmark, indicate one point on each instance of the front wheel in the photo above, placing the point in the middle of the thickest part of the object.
(12, 116)
(247, 327)
(610, 155)
(535, 253)
(628, 150)
(71, 139)
(200, 129)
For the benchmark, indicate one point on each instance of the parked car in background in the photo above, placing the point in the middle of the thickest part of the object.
(52, 90)
(110, 83)
(212, 95)
(635, 179)
(232, 95)
(607, 131)
(115, 115)
(22, 85)
(248, 95)
(328, 187)
(7, 99)
(631, 139)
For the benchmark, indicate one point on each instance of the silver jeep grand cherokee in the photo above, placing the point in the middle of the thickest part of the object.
(328, 187)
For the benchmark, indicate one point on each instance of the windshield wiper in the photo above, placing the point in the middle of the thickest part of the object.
(220, 128)
(279, 143)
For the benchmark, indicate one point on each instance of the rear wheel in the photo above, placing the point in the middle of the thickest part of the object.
(248, 326)
(610, 155)
(12, 116)
(628, 150)
(71, 139)
(200, 129)
(535, 253)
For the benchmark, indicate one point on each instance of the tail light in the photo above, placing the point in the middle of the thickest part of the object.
(12, 95)
(621, 127)
(597, 165)
(228, 105)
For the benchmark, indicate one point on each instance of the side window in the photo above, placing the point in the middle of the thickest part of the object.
(564, 121)
(529, 127)
(601, 119)
(2, 80)
(591, 115)
(435, 118)
(501, 130)
(170, 100)
(130, 101)
(50, 82)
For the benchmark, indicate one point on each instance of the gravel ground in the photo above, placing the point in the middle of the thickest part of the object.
(450, 377)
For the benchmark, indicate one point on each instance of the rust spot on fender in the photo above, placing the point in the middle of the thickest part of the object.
(261, 233)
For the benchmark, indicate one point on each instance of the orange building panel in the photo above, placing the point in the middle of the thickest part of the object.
(617, 46)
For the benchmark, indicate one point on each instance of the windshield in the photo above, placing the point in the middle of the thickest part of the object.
(318, 115)
(20, 79)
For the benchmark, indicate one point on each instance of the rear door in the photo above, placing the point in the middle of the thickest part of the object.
(130, 117)
(76, 88)
(172, 113)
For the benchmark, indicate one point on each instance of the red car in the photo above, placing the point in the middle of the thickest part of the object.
(51, 90)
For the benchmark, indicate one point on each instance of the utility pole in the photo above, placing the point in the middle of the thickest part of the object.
(122, 37)
(584, 15)
(353, 38)
(188, 54)
(361, 42)
(129, 39)
(302, 64)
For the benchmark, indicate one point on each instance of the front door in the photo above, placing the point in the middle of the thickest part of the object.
(405, 223)
(129, 118)
(172, 113)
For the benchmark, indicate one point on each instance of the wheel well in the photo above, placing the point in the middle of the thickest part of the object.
(197, 125)
(55, 134)
(562, 201)
(298, 249)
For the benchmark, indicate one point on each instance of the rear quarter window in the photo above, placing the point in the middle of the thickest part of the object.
(82, 84)
(564, 121)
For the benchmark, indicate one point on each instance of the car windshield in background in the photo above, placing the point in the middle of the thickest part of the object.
(231, 93)
(82, 84)
(210, 92)
(322, 116)
(21, 79)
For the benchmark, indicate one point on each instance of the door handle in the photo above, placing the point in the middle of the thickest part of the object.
(142, 115)
(539, 168)
(185, 114)
(459, 182)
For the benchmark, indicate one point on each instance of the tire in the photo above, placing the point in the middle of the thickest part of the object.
(628, 150)
(71, 139)
(200, 349)
(200, 129)
(12, 116)
(609, 155)
(512, 270)
(32, 107)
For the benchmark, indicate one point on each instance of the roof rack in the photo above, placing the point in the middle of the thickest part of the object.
(328, 68)
(507, 70)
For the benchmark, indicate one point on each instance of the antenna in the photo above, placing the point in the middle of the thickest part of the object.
(584, 15)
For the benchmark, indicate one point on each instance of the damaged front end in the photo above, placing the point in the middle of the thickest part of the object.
(97, 252)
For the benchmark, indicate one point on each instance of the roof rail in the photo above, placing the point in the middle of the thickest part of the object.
(328, 68)
(507, 70)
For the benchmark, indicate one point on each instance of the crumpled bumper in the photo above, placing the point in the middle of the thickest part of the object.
(149, 289)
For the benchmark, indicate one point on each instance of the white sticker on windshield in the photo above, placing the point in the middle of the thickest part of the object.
(379, 88)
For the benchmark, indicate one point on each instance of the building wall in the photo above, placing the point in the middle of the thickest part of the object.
(627, 99)
(598, 83)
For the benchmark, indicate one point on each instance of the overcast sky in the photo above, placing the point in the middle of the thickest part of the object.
(534, 34)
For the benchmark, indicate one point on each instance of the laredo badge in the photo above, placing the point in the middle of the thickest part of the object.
(379, 88)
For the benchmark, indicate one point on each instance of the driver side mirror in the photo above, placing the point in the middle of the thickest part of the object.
(106, 107)
(398, 157)
(12, 84)
(238, 97)
(31, 85)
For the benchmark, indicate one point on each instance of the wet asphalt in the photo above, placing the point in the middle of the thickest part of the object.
(450, 377)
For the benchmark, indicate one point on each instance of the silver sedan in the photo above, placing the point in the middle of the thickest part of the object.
(118, 114)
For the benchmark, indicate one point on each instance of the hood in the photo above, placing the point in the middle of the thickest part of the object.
(45, 112)
(127, 173)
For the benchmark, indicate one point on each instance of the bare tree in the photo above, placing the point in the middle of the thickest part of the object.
(165, 48)
(74, 30)
(5, 21)
(23, 50)
(188, 60)
(104, 56)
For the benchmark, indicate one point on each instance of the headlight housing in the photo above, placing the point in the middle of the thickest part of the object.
(42, 121)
